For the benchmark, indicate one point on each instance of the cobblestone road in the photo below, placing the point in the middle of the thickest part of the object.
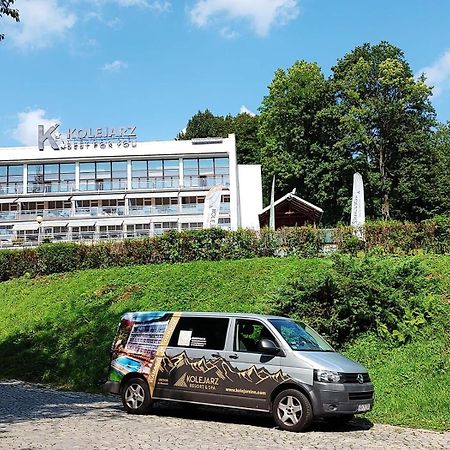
(33, 417)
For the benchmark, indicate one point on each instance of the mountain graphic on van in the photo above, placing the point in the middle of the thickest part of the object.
(221, 368)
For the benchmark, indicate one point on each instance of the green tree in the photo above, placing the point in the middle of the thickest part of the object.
(439, 192)
(244, 126)
(206, 124)
(6, 9)
(385, 120)
(298, 128)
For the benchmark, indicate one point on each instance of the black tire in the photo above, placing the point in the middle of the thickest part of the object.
(136, 396)
(340, 420)
(292, 411)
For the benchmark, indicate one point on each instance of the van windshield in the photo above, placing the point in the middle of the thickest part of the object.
(300, 336)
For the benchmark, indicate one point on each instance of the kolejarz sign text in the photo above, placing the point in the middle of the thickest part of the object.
(79, 138)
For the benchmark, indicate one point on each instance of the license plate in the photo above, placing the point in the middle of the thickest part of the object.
(364, 408)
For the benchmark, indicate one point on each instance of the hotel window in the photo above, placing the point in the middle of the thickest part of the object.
(155, 174)
(192, 226)
(83, 233)
(225, 223)
(111, 231)
(6, 232)
(51, 177)
(103, 176)
(225, 203)
(161, 227)
(192, 204)
(11, 179)
(206, 172)
(140, 229)
(8, 211)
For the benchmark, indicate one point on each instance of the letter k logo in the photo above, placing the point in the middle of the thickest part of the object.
(42, 137)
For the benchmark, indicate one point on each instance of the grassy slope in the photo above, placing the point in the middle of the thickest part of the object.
(58, 329)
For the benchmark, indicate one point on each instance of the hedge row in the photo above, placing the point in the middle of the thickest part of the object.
(382, 237)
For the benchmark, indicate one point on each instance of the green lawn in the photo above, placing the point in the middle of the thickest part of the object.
(58, 329)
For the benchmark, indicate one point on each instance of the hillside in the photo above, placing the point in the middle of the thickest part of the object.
(58, 329)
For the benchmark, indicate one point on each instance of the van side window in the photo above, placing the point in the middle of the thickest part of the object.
(200, 332)
(248, 334)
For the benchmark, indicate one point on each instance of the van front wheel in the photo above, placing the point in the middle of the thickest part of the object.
(292, 410)
(136, 396)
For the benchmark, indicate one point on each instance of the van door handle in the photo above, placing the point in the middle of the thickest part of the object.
(233, 356)
(215, 355)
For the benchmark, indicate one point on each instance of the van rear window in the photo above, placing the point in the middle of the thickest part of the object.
(200, 332)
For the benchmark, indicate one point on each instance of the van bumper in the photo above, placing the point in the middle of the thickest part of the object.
(331, 399)
(113, 387)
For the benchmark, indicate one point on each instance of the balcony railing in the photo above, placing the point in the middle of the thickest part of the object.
(206, 181)
(11, 189)
(153, 210)
(156, 183)
(192, 208)
(105, 185)
(45, 213)
(57, 186)
(8, 215)
(100, 211)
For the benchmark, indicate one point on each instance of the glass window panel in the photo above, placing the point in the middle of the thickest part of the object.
(171, 167)
(51, 169)
(87, 167)
(221, 162)
(103, 167)
(15, 171)
(206, 166)
(190, 166)
(3, 171)
(155, 167)
(206, 332)
(119, 166)
(33, 169)
(138, 165)
(67, 168)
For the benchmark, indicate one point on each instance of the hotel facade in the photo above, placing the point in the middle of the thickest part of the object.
(90, 190)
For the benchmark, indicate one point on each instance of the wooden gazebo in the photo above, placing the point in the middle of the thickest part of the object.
(291, 211)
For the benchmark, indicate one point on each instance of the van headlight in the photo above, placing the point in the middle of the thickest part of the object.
(327, 376)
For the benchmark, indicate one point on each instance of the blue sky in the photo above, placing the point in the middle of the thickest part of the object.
(155, 63)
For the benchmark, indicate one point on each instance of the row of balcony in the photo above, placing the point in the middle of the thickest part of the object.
(108, 211)
(152, 184)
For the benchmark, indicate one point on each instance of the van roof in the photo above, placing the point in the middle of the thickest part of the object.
(146, 315)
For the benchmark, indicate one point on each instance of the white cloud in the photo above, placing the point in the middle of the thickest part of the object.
(227, 33)
(111, 23)
(115, 66)
(262, 14)
(157, 5)
(245, 110)
(42, 23)
(438, 74)
(27, 128)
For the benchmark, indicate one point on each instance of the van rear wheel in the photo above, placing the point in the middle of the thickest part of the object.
(292, 411)
(136, 396)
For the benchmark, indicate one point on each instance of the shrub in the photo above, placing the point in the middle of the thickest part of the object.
(386, 238)
(359, 295)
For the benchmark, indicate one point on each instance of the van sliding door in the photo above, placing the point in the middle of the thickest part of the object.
(191, 370)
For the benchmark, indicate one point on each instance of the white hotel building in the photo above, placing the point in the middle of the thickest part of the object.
(109, 191)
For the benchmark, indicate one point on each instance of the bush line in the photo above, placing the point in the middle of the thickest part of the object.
(390, 238)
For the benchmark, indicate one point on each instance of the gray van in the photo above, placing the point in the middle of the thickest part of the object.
(246, 361)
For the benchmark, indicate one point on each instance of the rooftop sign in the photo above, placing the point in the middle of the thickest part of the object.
(79, 138)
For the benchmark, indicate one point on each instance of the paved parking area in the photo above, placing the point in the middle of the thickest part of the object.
(34, 417)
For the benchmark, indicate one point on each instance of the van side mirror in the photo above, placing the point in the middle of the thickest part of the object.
(268, 346)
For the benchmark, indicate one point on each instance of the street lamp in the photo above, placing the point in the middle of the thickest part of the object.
(39, 220)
